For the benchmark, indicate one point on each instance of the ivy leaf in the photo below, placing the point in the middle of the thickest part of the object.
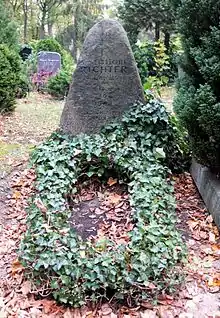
(160, 154)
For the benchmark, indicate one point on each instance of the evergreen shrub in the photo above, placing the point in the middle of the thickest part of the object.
(198, 101)
(24, 83)
(8, 28)
(10, 68)
(48, 44)
(58, 86)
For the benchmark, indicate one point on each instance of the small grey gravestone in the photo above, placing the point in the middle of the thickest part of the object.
(105, 83)
(48, 62)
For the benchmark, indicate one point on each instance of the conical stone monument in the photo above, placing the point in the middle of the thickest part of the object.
(105, 83)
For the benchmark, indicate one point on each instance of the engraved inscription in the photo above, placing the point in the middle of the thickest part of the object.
(106, 66)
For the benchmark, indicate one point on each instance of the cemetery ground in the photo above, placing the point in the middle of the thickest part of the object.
(34, 119)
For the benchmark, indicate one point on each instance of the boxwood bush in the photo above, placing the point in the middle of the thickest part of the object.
(48, 44)
(57, 259)
(24, 83)
(198, 100)
(58, 86)
(10, 68)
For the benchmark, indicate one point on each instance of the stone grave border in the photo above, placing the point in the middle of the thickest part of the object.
(209, 189)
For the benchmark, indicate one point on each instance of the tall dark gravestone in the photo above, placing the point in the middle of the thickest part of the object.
(105, 82)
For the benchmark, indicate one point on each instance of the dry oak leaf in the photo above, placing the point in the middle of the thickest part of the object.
(114, 198)
(112, 181)
(192, 224)
(16, 267)
(35, 313)
(16, 195)
(50, 306)
(203, 234)
(214, 282)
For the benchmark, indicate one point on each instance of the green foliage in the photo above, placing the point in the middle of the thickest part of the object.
(68, 62)
(175, 52)
(140, 15)
(198, 100)
(10, 67)
(58, 86)
(24, 84)
(180, 156)
(8, 29)
(13, 81)
(153, 64)
(48, 44)
(138, 147)
(144, 54)
(199, 110)
(161, 69)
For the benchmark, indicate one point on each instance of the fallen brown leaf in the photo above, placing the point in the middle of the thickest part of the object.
(16, 195)
(112, 181)
(114, 198)
(26, 288)
(212, 237)
(146, 305)
(16, 267)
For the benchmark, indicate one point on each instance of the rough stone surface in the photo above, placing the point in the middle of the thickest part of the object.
(209, 188)
(105, 82)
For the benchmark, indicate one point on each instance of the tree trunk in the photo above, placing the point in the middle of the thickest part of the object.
(43, 22)
(50, 29)
(167, 40)
(49, 24)
(157, 31)
(76, 32)
(25, 10)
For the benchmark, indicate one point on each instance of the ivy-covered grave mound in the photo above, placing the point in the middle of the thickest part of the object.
(141, 148)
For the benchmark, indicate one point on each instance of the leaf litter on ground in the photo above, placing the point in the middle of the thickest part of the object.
(102, 210)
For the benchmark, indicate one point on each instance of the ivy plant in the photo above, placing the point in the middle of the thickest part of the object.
(139, 148)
